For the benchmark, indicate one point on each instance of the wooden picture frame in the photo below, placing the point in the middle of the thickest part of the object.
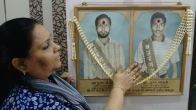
(129, 26)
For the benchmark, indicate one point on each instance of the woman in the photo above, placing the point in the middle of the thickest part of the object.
(28, 59)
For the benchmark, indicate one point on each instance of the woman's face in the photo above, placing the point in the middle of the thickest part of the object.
(44, 56)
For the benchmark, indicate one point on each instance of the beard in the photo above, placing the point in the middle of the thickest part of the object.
(103, 36)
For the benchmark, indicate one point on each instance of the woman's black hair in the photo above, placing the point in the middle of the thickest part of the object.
(15, 42)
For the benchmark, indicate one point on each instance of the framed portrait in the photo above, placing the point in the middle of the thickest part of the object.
(124, 35)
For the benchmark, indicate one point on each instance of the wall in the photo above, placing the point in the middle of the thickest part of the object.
(19, 8)
(140, 102)
(2, 12)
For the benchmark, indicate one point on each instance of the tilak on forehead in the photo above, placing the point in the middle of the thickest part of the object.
(158, 21)
(103, 21)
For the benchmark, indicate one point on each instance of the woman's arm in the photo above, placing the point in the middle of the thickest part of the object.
(116, 99)
(122, 81)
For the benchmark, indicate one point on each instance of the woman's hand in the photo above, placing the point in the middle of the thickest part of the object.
(67, 76)
(122, 81)
(126, 79)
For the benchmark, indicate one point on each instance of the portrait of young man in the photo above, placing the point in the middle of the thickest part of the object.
(152, 49)
(108, 40)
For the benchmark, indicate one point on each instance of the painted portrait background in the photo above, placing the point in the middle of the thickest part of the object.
(118, 33)
(143, 31)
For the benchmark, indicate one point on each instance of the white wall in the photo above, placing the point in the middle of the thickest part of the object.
(47, 14)
(19, 8)
(2, 12)
(139, 102)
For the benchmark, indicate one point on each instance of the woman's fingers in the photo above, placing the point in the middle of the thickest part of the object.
(137, 79)
(126, 79)
(134, 74)
(67, 76)
(132, 67)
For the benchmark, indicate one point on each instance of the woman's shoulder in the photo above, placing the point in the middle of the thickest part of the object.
(24, 98)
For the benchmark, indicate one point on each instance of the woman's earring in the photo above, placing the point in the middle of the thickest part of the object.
(24, 73)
